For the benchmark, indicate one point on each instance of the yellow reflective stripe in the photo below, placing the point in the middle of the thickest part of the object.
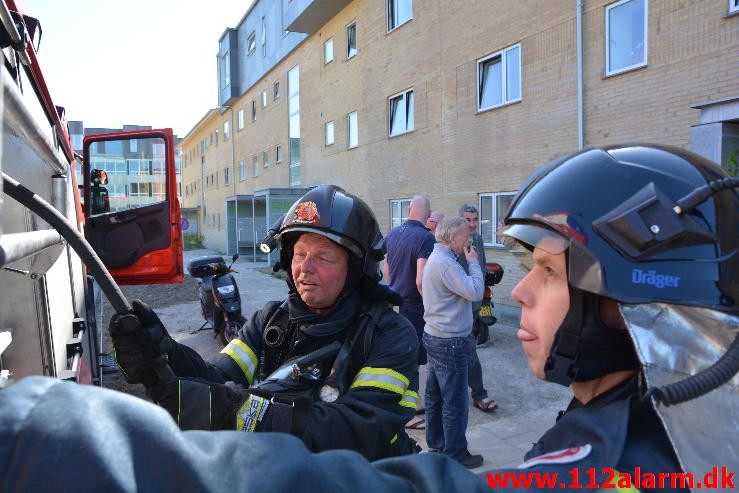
(242, 356)
(409, 399)
(392, 440)
(383, 378)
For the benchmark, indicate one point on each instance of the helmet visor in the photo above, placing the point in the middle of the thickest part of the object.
(534, 236)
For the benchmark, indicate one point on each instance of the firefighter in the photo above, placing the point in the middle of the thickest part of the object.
(631, 300)
(358, 399)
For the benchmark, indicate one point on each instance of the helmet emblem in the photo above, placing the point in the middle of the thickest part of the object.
(566, 223)
(306, 213)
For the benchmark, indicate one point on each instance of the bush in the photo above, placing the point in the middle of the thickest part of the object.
(192, 241)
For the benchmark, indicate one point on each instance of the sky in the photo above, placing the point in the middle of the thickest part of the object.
(133, 62)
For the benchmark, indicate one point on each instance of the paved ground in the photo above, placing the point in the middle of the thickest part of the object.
(527, 407)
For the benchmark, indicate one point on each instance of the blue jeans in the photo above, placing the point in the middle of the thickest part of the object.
(447, 402)
(475, 371)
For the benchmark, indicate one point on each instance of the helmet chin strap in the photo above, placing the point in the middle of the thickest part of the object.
(584, 347)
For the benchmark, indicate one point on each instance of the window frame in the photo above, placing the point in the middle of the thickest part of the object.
(253, 110)
(251, 43)
(733, 6)
(503, 56)
(242, 170)
(495, 219)
(263, 41)
(255, 165)
(398, 205)
(276, 90)
(332, 140)
(349, 130)
(265, 158)
(402, 99)
(264, 98)
(278, 153)
(240, 119)
(392, 13)
(226, 69)
(351, 27)
(607, 38)
(326, 44)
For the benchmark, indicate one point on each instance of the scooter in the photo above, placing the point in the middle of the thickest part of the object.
(220, 301)
(485, 319)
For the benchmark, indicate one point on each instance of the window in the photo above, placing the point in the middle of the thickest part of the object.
(225, 176)
(265, 158)
(225, 70)
(328, 50)
(240, 118)
(133, 145)
(276, 89)
(352, 130)
(329, 133)
(278, 153)
(493, 207)
(242, 170)
(226, 130)
(264, 37)
(253, 110)
(398, 13)
(293, 124)
(264, 99)
(255, 165)
(499, 78)
(351, 40)
(158, 167)
(733, 6)
(139, 190)
(626, 36)
(138, 166)
(399, 211)
(400, 112)
(251, 43)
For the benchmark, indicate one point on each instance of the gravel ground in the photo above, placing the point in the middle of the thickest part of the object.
(157, 296)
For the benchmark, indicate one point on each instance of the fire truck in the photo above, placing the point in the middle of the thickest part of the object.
(62, 241)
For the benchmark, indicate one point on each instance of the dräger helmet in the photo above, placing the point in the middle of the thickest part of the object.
(625, 240)
(330, 211)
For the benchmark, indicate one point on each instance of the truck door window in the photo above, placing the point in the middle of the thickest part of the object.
(135, 174)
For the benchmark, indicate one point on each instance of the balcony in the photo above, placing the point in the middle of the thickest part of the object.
(307, 16)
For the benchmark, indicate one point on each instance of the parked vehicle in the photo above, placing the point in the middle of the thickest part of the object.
(49, 321)
(220, 301)
(493, 275)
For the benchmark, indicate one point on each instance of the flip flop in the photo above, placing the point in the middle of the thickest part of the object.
(416, 424)
(485, 405)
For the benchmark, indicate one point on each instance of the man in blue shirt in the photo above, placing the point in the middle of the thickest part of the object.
(408, 247)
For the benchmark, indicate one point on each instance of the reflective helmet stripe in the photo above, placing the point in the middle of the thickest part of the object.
(392, 440)
(383, 378)
(409, 399)
(244, 357)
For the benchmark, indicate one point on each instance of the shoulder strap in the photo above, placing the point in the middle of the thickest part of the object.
(274, 337)
(367, 321)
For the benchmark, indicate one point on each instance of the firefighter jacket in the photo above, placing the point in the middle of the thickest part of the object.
(60, 436)
(376, 394)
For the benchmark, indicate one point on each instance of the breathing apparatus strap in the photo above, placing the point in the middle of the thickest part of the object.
(561, 365)
(274, 338)
(365, 330)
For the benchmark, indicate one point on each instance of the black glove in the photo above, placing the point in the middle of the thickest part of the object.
(198, 405)
(141, 344)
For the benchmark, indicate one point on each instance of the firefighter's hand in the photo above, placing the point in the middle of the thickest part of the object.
(141, 344)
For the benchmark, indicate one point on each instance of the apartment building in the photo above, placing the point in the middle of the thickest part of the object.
(460, 101)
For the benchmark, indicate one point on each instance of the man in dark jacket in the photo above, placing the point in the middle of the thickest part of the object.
(358, 398)
(633, 286)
